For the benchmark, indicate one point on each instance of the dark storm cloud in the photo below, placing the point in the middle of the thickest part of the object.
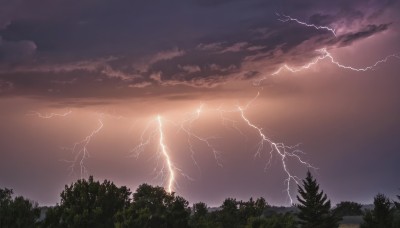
(12, 51)
(369, 30)
(125, 48)
(322, 19)
(213, 3)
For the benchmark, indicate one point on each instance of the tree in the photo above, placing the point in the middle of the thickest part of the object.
(199, 215)
(179, 212)
(154, 207)
(232, 213)
(250, 209)
(382, 214)
(87, 203)
(396, 214)
(53, 216)
(314, 206)
(260, 206)
(347, 208)
(17, 212)
(397, 204)
(228, 216)
(199, 209)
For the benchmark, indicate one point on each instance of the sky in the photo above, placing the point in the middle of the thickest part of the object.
(214, 99)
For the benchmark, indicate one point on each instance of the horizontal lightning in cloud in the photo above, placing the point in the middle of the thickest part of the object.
(327, 55)
(324, 53)
(49, 115)
(286, 18)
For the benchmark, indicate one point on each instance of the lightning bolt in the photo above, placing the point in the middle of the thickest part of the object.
(228, 122)
(291, 152)
(48, 115)
(283, 151)
(186, 126)
(164, 151)
(280, 149)
(286, 18)
(326, 55)
(80, 149)
(158, 131)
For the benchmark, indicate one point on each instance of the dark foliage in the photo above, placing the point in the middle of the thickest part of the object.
(314, 206)
(397, 204)
(154, 207)
(88, 203)
(17, 212)
(275, 221)
(347, 208)
(382, 214)
(199, 218)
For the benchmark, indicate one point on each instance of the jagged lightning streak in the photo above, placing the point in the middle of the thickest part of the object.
(324, 52)
(151, 132)
(164, 151)
(49, 115)
(281, 149)
(327, 55)
(286, 18)
(186, 126)
(80, 149)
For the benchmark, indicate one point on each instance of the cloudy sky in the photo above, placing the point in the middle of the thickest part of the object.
(109, 68)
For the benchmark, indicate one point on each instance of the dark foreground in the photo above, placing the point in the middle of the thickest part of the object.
(89, 203)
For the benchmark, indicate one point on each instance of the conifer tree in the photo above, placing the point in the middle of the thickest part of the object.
(382, 214)
(314, 206)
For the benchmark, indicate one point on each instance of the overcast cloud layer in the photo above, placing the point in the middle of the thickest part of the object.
(123, 48)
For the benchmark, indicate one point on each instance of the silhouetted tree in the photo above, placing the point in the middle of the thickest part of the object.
(200, 209)
(396, 213)
(53, 217)
(154, 207)
(397, 204)
(199, 218)
(17, 212)
(179, 212)
(382, 214)
(314, 206)
(87, 203)
(347, 208)
(250, 209)
(260, 206)
(232, 213)
(228, 216)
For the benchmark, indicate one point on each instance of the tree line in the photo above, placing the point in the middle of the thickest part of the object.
(89, 203)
